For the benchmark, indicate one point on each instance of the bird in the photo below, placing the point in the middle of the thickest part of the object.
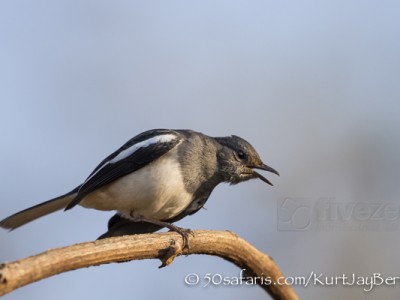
(155, 179)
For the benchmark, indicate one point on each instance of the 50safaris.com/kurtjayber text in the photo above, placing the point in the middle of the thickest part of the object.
(313, 279)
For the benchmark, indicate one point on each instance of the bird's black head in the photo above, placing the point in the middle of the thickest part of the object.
(238, 159)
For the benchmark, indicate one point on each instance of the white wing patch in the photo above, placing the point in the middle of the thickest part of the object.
(164, 138)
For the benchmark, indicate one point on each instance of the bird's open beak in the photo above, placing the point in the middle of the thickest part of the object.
(265, 168)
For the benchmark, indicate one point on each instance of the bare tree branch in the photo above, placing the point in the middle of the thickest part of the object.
(164, 246)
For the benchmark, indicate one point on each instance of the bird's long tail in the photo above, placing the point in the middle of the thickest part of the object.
(32, 213)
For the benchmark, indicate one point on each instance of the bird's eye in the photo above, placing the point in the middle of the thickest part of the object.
(241, 155)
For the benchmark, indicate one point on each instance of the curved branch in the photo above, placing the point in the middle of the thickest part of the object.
(164, 246)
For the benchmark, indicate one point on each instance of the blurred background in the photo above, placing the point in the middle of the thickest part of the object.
(313, 85)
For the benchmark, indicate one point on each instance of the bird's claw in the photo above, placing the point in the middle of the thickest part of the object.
(184, 232)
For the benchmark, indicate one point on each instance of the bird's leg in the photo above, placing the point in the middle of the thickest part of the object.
(182, 231)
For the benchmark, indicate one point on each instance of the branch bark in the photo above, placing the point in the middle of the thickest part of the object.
(164, 246)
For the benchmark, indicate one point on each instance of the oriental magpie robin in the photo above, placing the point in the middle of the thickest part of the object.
(155, 179)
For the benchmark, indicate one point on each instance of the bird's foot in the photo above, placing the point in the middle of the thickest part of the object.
(182, 231)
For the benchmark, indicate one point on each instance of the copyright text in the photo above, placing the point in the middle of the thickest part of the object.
(367, 283)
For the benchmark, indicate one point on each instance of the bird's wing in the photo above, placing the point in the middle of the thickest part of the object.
(132, 156)
(118, 226)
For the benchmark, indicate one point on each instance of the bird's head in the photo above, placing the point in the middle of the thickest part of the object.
(238, 160)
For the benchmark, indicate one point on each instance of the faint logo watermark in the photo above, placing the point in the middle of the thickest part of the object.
(330, 214)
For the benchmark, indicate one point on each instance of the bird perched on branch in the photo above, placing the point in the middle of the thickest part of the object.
(155, 179)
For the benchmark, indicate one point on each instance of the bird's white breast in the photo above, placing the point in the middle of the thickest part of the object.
(154, 191)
